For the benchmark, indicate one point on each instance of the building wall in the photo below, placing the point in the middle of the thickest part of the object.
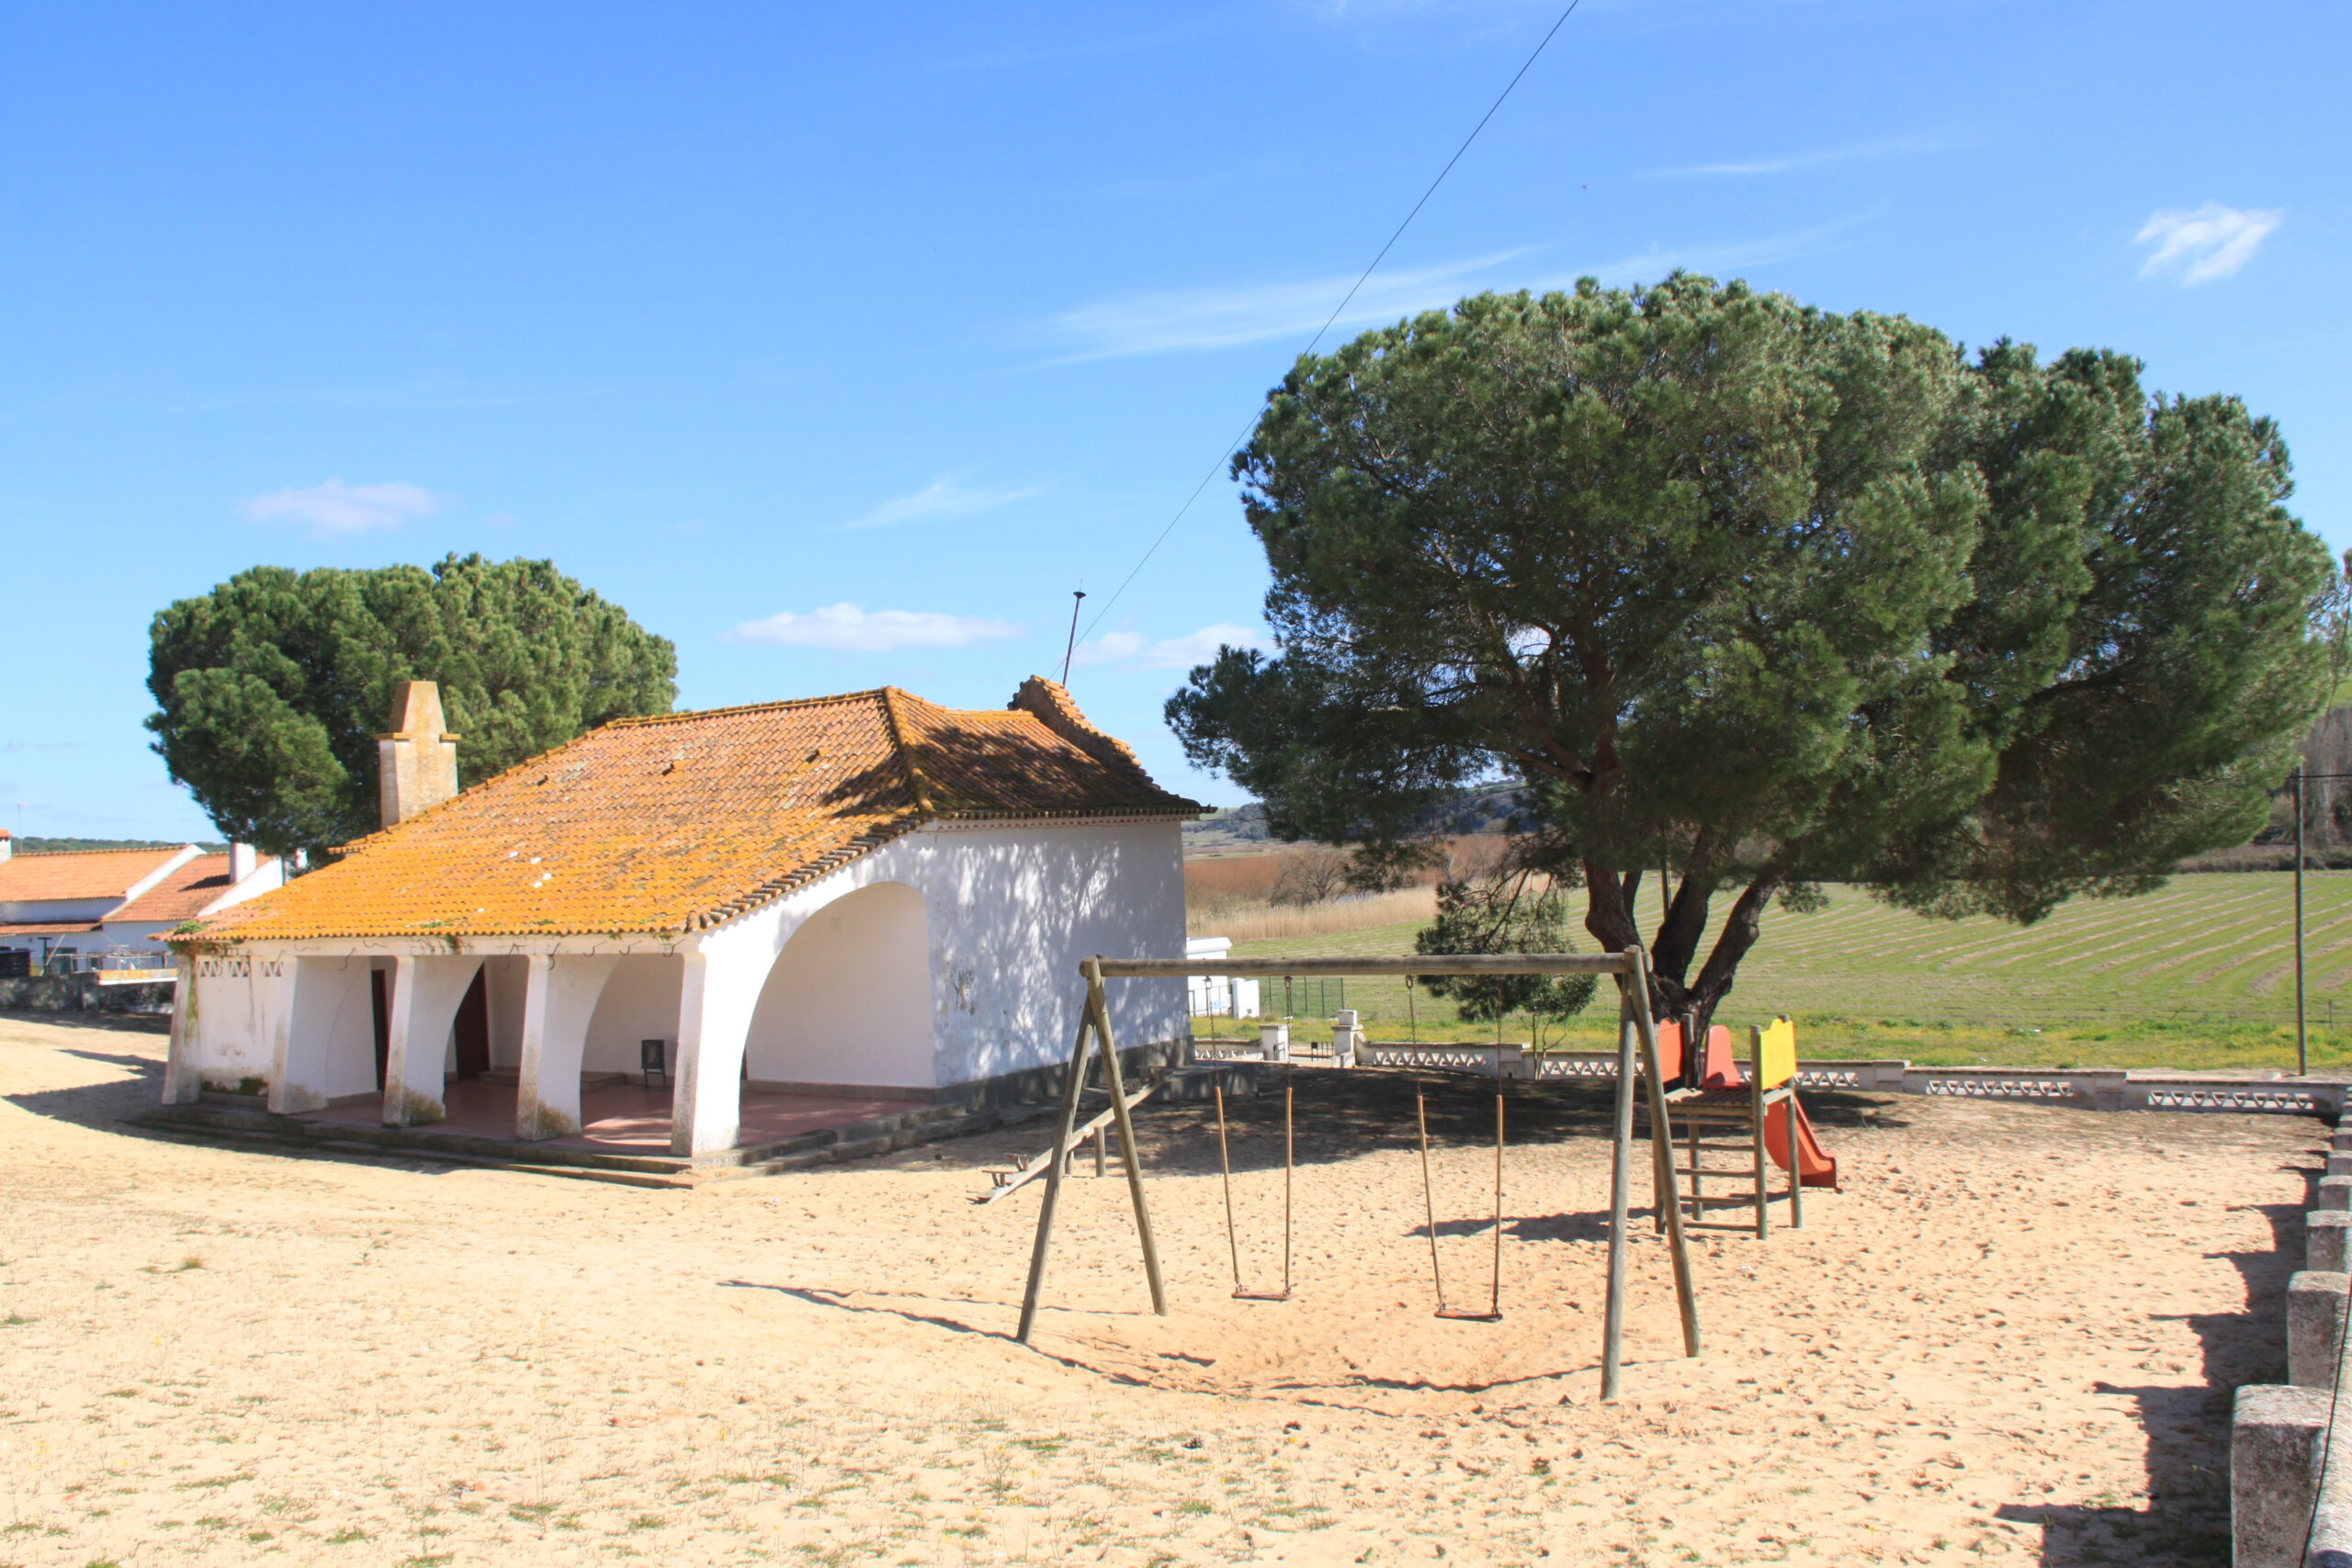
(848, 1000)
(243, 1004)
(640, 1002)
(1013, 910)
(947, 957)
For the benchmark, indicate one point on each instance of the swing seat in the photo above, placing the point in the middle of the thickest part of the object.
(1469, 1314)
(1262, 1295)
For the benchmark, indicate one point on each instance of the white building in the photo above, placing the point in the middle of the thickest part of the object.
(864, 894)
(1210, 994)
(105, 904)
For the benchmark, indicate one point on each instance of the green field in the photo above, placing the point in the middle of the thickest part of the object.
(2200, 974)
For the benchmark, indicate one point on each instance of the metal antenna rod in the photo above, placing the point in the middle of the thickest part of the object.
(1076, 598)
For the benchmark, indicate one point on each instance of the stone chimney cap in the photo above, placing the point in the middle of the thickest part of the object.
(416, 710)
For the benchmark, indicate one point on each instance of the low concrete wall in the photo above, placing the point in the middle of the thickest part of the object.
(82, 993)
(2091, 1089)
(2290, 1475)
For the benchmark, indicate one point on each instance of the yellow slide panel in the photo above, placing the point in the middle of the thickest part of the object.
(1777, 1043)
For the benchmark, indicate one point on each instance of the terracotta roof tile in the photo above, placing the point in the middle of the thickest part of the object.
(679, 821)
(76, 874)
(181, 895)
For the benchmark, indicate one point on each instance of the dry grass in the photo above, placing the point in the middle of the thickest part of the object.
(1256, 921)
(1239, 896)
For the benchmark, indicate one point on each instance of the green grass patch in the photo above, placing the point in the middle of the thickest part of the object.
(2199, 974)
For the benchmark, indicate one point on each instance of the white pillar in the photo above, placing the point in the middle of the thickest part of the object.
(559, 998)
(1273, 1041)
(715, 1001)
(426, 994)
(183, 1070)
(1345, 1036)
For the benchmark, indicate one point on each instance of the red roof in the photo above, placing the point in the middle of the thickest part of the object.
(181, 895)
(77, 873)
(680, 821)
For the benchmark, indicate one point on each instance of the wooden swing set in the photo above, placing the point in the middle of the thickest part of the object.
(1637, 1057)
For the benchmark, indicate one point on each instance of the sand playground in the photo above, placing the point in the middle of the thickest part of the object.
(2012, 1335)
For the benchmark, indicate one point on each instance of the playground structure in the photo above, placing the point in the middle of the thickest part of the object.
(1638, 1054)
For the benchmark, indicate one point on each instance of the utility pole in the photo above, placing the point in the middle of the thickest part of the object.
(1077, 598)
(2302, 1041)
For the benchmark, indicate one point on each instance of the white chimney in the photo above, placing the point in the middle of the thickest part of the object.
(417, 763)
(241, 862)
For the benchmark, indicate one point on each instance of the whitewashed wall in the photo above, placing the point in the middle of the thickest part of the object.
(944, 958)
(848, 1000)
(640, 1002)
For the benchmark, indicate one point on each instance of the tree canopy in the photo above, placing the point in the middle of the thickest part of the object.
(1769, 595)
(271, 689)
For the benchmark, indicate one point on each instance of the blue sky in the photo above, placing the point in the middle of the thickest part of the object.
(839, 343)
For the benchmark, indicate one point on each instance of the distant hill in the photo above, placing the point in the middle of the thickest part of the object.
(32, 846)
(1241, 829)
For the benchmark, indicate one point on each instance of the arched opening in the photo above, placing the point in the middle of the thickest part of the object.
(848, 1001)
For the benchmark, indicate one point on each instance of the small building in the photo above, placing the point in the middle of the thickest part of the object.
(865, 895)
(97, 907)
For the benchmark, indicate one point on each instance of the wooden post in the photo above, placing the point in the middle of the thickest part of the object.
(1756, 1114)
(1497, 1306)
(1054, 1169)
(1661, 1141)
(1796, 1165)
(1101, 1012)
(1621, 1178)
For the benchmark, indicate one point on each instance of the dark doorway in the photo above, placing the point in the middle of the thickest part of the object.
(380, 991)
(473, 1028)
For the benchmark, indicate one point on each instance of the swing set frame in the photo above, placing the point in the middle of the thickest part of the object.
(1637, 1055)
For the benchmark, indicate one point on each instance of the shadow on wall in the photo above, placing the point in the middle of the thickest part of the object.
(1015, 909)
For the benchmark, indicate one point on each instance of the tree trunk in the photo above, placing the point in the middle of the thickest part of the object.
(1608, 917)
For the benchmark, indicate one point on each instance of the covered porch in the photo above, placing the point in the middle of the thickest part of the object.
(623, 1115)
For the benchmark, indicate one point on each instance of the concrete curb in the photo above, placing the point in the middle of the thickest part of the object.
(2282, 1484)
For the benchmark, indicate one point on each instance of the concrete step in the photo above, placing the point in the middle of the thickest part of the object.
(401, 1140)
(340, 1149)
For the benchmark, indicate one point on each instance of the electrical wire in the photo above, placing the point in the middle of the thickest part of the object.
(1345, 301)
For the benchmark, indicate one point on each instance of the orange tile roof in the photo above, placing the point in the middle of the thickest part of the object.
(76, 874)
(181, 895)
(677, 822)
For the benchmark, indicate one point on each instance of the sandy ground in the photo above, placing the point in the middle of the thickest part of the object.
(2012, 1335)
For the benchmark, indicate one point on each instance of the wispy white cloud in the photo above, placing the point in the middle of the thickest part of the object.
(2211, 241)
(1172, 319)
(335, 508)
(1181, 320)
(1111, 648)
(941, 497)
(1789, 163)
(845, 628)
(1171, 653)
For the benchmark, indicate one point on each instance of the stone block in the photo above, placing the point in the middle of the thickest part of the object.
(2275, 1462)
(2324, 1234)
(2315, 1328)
(2336, 1192)
(2339, 1163)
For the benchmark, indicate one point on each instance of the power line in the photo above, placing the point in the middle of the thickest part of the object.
(1345, 301)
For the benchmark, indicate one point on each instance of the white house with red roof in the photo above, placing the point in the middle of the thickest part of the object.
(858, 896)
(107, 904)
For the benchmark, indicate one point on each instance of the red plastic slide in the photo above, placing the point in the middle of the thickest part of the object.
(1815, 1166)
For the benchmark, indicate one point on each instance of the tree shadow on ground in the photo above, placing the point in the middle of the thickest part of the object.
(1337, 1116)
(2186, 1519)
